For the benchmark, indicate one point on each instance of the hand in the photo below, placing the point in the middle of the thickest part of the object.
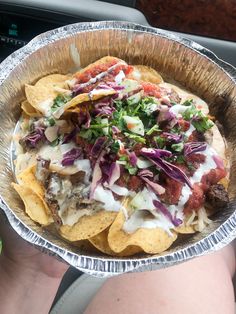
(24, 270)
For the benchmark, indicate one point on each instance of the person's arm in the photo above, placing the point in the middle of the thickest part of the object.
(200, 286)
(29, 279)
(25, 290)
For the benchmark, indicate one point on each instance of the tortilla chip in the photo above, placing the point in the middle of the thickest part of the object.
(53, 79)
(101, 243)
(150, 240)
(82, 98)
(37, 95)
(88, 226)
(218, 143)
(45, 90)
(29, 110)
(145, 74)
(103, 60)
(35, 207)
(27, 178)
(185, 229)
(24, 161)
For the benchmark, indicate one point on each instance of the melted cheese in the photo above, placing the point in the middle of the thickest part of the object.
(73, 215)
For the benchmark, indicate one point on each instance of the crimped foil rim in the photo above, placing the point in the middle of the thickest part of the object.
(104, 267)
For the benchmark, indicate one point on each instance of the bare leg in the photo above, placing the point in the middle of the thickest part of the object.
(202, 285)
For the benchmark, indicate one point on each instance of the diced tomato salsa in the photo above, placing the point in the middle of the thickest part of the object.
(97, 69)
(151, 90)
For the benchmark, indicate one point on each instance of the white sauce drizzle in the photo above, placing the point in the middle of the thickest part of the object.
(190, 130)
(139, 219)
(186, 192)
(106, 197)
(100, 75)
(55, 154)
(45, 107)
(119, 77)
(144, 201)
(178, 110)
(119, 190)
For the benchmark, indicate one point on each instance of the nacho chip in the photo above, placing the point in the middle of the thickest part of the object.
(150, 240)
(186, 227)
(145, 74)
(29, 110)
(35, 207)
(83, 98)
(24, 161)
(40, 97)
(103, 60)
(27, 178)
(88, 226)
(101, 243)
(53, 79)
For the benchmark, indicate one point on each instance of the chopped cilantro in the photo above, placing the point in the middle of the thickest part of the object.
(190, 112)
(180, 159)
(86, 134)
(177, 147)
(132, 170)
(191, 166)
(99, 126)
(91, 134)
(161, 141)
(50, 121)
(188, 102)
(115, 146)
(202, 124)
(123, 158)
(60, 100)
(176, 129)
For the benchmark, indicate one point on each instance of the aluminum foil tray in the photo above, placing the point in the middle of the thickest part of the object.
(182, 60)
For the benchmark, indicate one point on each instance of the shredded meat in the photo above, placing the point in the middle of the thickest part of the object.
(174, 97)
(54, 208)
(53, 188)
(217, 196)
(42, 169)
(77, 178)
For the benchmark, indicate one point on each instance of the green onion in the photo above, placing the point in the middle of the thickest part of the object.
(135, 137)
(153, 129)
